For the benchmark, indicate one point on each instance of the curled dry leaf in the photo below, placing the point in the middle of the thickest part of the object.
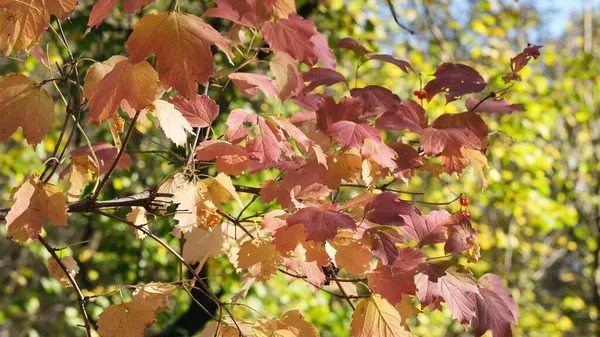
(57, 272)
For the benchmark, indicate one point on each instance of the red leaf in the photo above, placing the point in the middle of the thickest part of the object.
(354, 45)
(410, 115)
(468, 120)
(461, 235)
(408, 259)
(321, 76)
(349, 134)
(236, 132)
(520, 61)
(231, 159)
(376, 99)
(383, 155)
(448, 143)
(310, 102)
(200, 111)
(493, 106)
(293, 36)
(106, 154)
(321, 224)
(496, 309)
(391, 286)
(407, 157)
(238, 11)
(323, 52)
(383, 242)
(103, 7)
(288, 78)
(451, 282)
(249, 83)
(455, 80)
(385, 209)
(405, 66)
(431, 230)
(330, 112)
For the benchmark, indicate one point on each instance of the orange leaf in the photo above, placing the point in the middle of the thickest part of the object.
(260, 257)
(374, 316)
(130, 86)
(35, 200)
(25, 104)
(181, 43)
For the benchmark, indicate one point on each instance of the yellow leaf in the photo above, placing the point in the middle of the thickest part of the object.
(25, 104)
(80, 177)
(154, 295)
(138, 217)
(376, 317)
(292, 324)
(56, 271)
(125, 320)
(406, 309)
(260, 257)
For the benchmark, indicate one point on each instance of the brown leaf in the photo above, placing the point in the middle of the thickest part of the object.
(56, 271)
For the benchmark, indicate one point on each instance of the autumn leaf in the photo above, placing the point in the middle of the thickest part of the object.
(241, 12)
(292, 324)
(455, 80)
(200, 244)
(131, 86)
(249, 83)
(260, 257)
(496, 308)
(493, 106)
(293, 36)
(520, 61)
(125, 320)
(383, 240)
(330, 112)
(408, 259)
(410, 116)
(102, 9)
(321, 223)
(321, 76)
(174, 125)
(181, 43)
(354, 45)
(26, 104)
(287, 77)
(385, 209)
(461, 234)
(404, 65)
(96, 73)
(374, 316)
(57, 272)
(23, 22)
(231, 159)
(81, 166)
(154, 295)
(376, 99)
(35, 200)
(200, 111)
(353, 256)
(451, 282)
(350, 134)
(391, 286)
(106, 155)
(138, 217)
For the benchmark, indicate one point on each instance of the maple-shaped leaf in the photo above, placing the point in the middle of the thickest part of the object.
(381, 154)
(289, 80)
(374, 316)
(200, 110)
(292, 324)
(376, 99)
(404, 65)
(430, 230)
(410, 115)
(461, 234)
(35, 200)
(323, 52)
(26, 104)
(125, 320)
(260, 257)
(55, 270)
(408, 259)
(103, 7)
(321, 76)
(383, 240)
(451, 282)
(24, 22)
(131, 86)
(448, 142)
(342, 167)
(241, 12)
(391, 286)
(455, 80)
(293, 36)
(200, 244)
(181, 43)
(354, 45)
(287, 238)
(106, 155)
(96, 73)
(249, 83)
(80, 177)
(171, 121)
(407, 158)
(231, 159)
(330, 112)
(305, 185)
(321, 223)
(468, 120)
(385, 209)
(496, 308)
(493, 106)
(308, 259)
(349, 134)
(352, 255)
(154, 295)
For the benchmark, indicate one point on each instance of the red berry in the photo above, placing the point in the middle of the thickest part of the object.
(464, 202)
(423, 95)
(467, 214)
(417, 93)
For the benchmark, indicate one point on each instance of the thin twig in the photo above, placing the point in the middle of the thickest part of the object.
(80, 298)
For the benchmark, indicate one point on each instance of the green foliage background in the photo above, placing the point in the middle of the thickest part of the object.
(538, 219)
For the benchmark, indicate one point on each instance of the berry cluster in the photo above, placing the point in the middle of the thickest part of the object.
(464, 202)
(421, 94)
